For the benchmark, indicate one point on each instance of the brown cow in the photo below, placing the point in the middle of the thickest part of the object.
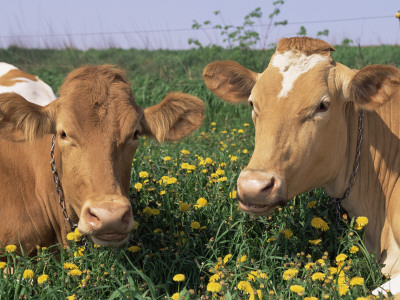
(96, 124)
(305, 110)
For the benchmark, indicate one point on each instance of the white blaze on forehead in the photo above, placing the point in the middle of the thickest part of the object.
(291, 65)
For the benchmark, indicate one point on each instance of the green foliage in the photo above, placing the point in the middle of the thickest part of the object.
(168, 241)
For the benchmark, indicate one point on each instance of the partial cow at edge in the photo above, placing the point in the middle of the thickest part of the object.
(305, 108)
(28, 86)
(93, 128)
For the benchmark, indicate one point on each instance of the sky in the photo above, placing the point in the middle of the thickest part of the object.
(167, 24)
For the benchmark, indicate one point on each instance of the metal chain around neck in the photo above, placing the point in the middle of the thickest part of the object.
(337, 201)
(59, 187)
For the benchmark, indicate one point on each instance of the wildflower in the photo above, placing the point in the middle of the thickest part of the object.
(167, 158)
(215, 278)
(361, 222)
(318, 276)
(271, 239)
(155, 211)
(179, 277)
(11, 248)
(42, 278)
(175, 296)
(185, 151)
(184, 165)
(70, 266)
(240, 131)
(75, 272)
(227, 257)
(162, 193)
(220, 172)
(171, 180)
(341, 257)
(251, 277)
(315, 242)
(72, 297)
(333, 270)
(79, 252)
(354, 249)
(138, 186)
(319, 224)
(213, 124)
(309, 266)
(201, 202)
(134, 249)
(287, 233)
(135, 225)
(157, 230)
(234, 158)
(147, 210)
(143, 174)
(245, 286)
(310, 298)
(311, 204)
(343, 289)
(214, 287)
(297, 288)
(195, 225)
(357, 281)
(2, 264)
(184, 207)
(28, 274)
(243, 258)
(289, 274)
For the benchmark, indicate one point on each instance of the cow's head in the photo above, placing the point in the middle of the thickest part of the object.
(300, 109)
(97, 124)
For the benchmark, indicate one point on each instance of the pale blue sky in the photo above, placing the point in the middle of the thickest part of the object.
(154, 24)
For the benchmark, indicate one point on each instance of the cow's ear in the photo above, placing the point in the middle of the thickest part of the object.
(229, 80)
(374, 85)
(175, 117)
(19, 115)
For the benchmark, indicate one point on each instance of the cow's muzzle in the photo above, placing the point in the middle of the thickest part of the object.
(260, 192)
(108, 222)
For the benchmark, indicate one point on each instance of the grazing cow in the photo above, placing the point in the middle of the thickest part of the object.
(28, 86)
(305, 108)
(94, 125)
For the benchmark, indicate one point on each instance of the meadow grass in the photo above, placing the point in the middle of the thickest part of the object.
(191, 238)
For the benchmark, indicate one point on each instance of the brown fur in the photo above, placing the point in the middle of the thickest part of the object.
(303, 44)
(10, 78)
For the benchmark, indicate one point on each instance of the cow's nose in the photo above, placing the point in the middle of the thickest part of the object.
(107, 217)
(257, 186)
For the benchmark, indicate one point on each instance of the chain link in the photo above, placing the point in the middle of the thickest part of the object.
(59, 187)
(352, 180)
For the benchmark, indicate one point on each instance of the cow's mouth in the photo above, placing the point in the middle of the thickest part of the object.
(256, 209)
(110, 239)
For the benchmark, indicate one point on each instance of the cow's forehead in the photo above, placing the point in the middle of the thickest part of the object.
(292, 64)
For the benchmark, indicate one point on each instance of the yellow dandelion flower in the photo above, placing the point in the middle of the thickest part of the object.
(71, 236)
(343, 289)
(287, 233)
(243, 258)
(289, 274)
(42, 278)
(155, 211)
(333, 270)
(201, 202)
(171, 180)
(185, 151)
(315, 242)
(319, 224)
(311, 204)
(75, 272)
(308, 266)
(318, 276)
(28, 274)
(179, 277)
(233, 194)
(220, 172)
(79, 251)
(259, 294)
(70, 266)
(214, 287)
(11, 248)
(341, 257)
(296, 288)
(364, 298)
(195, 225)
(360, 223)
(2, 264)
(138, 186)
(215, 278)
(213, 123)
(245, 286)
(134, 249)
(167, 158)
(271, 239)
(143, 174)
(135, 225)
(147, 211)
(72, 297)
(227, 258)
(157, 230)
(251, 277)
(184, 166)
(354, 249)
(234, 158)
(222, 179)
(175, 296)
(184, 207)
(310, 298)
(357, 281)
(162, 193)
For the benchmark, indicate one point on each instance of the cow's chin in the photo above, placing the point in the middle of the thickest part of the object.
(110, 239)
(256, 209)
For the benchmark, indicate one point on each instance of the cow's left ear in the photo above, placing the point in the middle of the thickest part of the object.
(175, 117)
(374, 85)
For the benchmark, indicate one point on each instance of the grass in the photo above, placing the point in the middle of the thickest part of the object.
(213, 242)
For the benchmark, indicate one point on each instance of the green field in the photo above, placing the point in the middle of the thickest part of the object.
(220, 251)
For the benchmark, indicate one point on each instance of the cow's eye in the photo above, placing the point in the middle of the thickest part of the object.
(323, 106)
(250, 104)
(136, 135)
(63, 135)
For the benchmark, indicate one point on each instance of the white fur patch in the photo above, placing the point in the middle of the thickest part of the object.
(291, 65)
(393, 285)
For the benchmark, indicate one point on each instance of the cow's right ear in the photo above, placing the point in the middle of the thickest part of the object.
(229, 80)
(17, 115)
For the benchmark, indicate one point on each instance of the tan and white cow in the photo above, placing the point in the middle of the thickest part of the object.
(96, 124)
(305, 110)
(13, 80)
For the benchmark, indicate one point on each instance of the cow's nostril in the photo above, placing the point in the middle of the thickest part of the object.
(92, 215)
(269, 185)
(126, 218)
